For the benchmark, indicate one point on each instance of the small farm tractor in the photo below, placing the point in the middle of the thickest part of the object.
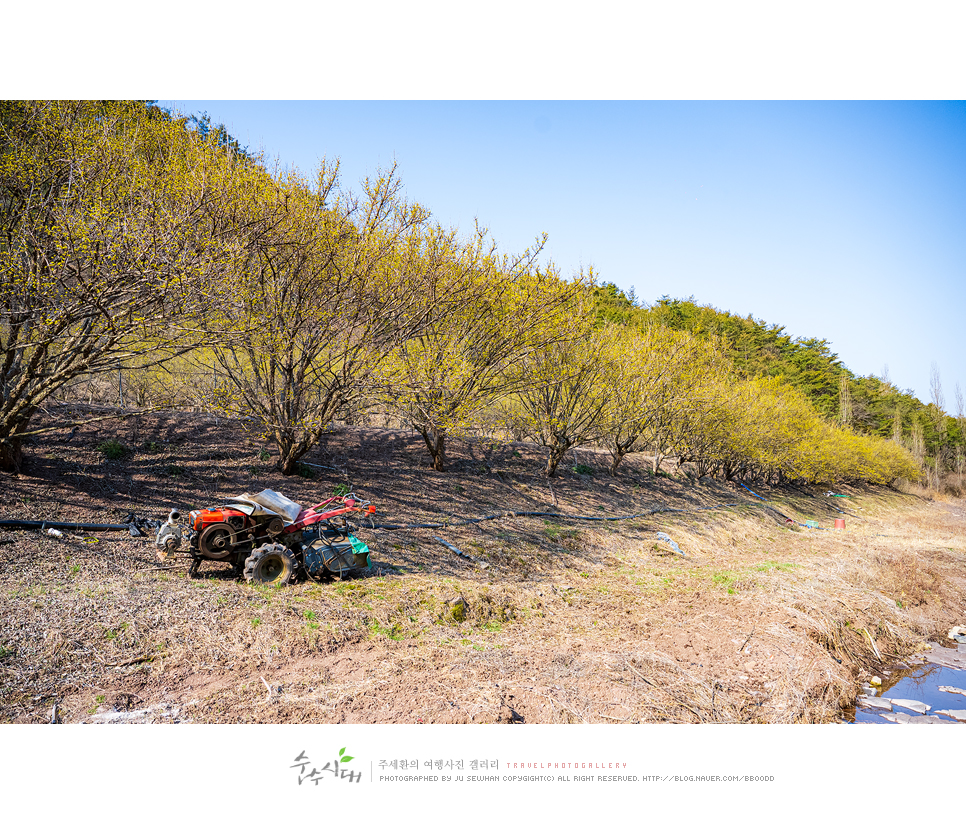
(270, 539)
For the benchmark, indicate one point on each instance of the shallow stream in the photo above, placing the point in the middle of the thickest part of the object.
(930, 692)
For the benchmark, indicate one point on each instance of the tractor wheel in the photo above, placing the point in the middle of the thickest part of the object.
(271, 564)
(216, 541)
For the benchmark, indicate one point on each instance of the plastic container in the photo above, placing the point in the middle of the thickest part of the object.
(840, 524)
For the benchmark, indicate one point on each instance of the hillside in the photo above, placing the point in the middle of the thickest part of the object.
(562, 620)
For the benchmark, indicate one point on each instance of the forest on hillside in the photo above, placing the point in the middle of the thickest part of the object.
(149, 261)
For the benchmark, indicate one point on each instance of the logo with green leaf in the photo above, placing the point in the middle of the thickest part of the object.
(343, 758)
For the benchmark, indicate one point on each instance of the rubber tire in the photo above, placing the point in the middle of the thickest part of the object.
(270, 564)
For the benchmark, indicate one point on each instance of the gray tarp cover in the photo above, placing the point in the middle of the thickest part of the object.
(268, 502)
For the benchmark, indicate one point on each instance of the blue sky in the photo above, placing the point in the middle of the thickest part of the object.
(840, 220)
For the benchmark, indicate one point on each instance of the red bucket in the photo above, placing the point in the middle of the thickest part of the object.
(840, 524)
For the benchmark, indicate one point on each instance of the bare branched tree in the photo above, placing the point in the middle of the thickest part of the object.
(565, 403)
(845, 401)
(493, 314)
(318, 300)
(656, 377)
(101, 210)
(936, 391)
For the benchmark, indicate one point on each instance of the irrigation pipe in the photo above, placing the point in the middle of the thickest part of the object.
(827, 504)
(510, 514)
(507, 514)
(776, 510)
(787, 519)
(25, 524)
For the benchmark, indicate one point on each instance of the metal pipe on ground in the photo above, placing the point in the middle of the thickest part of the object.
(25, 524)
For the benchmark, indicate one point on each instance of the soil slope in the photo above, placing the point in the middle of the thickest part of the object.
(543, 620)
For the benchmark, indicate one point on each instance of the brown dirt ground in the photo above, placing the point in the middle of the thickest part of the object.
(570, 621)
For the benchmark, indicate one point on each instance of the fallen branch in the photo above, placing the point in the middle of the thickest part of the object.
(752, 633)
(641, 676)
(114, 417)
(874, 647)
(457, 551)
(143, 659)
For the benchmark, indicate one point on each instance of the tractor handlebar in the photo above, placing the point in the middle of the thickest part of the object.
(352, 504)
(350, 500)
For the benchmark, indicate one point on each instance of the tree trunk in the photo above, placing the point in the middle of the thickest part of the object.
(11, 455)
(288, 454)
(617, 455)
(439, 457)
(556, 455)
(11, 446)
(436, 444)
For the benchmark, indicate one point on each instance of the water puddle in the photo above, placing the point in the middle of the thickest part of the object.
(931, 692)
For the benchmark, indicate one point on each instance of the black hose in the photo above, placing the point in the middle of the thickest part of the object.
(513, 514)
(24, 524)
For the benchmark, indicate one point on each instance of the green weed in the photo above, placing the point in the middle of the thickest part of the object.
(555, 532)
(345, 588)
(776, 566)
(725, 580)
(113, 449)
(393, 632)
(114, 633)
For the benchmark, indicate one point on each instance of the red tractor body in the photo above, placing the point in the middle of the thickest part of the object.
(271, 539)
